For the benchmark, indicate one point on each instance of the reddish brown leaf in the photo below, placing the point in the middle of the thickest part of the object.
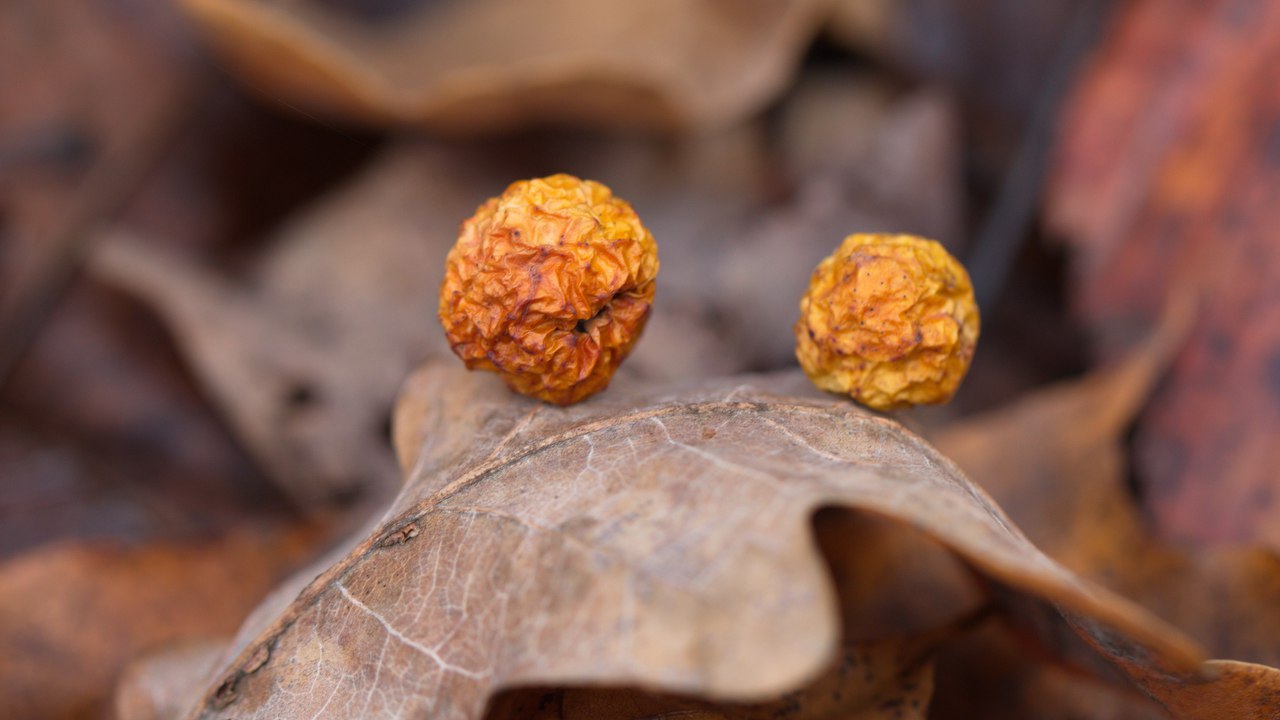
(1168, 179)
(1231, 691)
(72, 615)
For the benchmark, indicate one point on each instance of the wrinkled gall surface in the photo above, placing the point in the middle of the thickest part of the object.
(889, 320)
(549, 286)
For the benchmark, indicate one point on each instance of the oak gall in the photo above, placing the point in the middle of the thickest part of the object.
(889, 320)
(549, 285)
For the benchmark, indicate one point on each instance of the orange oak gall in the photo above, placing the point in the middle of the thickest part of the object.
(549, 285)
(889, 320)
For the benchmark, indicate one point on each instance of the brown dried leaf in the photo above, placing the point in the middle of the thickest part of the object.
(1056, 461)
(1167, 178)
(656, 538)
(79, 611)
(482, 65)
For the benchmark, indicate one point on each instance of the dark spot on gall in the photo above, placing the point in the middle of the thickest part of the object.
(583, 325)
(300, 395)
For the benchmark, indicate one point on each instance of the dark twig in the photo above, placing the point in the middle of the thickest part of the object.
(1003, 230)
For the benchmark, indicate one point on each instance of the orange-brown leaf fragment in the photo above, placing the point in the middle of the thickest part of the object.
(74, 614)
(549, 285)
(889, 320)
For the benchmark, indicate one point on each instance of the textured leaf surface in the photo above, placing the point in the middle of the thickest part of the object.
(661, 539)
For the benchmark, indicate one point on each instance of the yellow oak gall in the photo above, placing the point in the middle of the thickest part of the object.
(549, 285)
(889, 320)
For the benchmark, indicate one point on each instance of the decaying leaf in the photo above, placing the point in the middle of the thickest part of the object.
(1168, 178)
(481, 65)
(657, 538)
(79, 611)
(1056, 461)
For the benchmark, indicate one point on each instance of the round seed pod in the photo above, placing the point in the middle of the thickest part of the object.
(549, 285)
(889, 320)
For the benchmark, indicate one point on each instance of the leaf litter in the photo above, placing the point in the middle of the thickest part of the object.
(709, 548)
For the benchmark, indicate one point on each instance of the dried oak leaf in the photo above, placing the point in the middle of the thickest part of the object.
(482, 65)
(888, 679)
(658, 538)
(1055, 460)
(1166, 178)
(73, 614)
